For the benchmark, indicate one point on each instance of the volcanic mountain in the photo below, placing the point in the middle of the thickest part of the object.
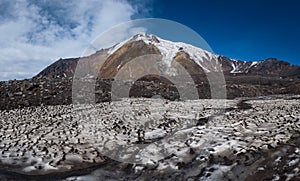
(155, 60)
(194, 59)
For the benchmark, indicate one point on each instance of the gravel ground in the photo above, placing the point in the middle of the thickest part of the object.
(153, 139)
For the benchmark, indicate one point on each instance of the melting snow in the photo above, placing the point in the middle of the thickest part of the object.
(158, 133)
(109, 128)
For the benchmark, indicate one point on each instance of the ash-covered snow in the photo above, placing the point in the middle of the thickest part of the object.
(159, 136)
(157, 133)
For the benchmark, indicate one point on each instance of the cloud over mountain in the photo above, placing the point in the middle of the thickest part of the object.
(35, 33)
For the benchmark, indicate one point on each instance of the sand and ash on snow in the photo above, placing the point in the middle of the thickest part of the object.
(206, 138)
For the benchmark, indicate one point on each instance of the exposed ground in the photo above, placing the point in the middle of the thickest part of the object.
(154, 139)
(58, 91)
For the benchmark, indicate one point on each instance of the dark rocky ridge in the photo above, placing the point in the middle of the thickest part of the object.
(58, 91)
(60, 68)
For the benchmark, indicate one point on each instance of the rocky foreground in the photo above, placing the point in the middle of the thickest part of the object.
(58, 91)
(153, 139)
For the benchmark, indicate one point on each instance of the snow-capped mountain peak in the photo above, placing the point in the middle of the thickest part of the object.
(206, 60)
(197, 60)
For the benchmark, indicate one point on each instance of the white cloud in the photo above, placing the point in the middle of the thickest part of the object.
(36, 33)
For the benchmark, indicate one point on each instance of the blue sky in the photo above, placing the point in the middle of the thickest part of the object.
(36, 33)
(241, 29)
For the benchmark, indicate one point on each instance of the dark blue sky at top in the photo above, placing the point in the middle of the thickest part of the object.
(241, 29)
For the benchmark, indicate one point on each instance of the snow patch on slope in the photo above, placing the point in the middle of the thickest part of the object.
(253, 63)
(206, 60)
(242, 66)
(117, 46)
(234, 67)
(237, 66)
